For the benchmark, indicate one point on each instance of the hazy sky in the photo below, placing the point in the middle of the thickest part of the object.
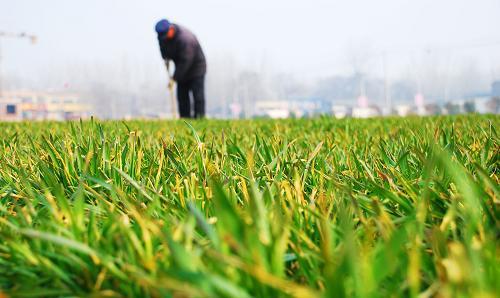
(313, 36)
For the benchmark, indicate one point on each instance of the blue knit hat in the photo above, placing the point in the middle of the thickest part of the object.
(162, 26)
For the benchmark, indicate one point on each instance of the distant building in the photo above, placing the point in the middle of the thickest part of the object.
(29, 105)
(388, 111)
(493, 104)
(284, 108)
(341, 111)
(432, 109)
(305, 108)
(404, 110)
(366, 112)
(453, 108)
(273, 109)
(481, 104)
(495, 89)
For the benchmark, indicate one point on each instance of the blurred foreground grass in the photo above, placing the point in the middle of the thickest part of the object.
(288, 208)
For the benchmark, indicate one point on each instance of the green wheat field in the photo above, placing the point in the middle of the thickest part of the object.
(397, 207)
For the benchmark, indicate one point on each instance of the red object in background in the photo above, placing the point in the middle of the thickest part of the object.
(419, 99)
(363, 101)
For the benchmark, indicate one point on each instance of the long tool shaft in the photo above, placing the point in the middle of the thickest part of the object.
(173, 103)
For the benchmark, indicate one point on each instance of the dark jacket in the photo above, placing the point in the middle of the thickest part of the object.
(185, 50)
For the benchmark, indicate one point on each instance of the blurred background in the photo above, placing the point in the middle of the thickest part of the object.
(284, 58)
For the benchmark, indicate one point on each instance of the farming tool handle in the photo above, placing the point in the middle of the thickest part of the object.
(171, 83)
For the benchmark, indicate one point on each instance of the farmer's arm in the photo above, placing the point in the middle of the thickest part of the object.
(163, 49)
(186, 57)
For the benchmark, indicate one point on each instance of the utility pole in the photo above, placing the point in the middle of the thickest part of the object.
(3, 34)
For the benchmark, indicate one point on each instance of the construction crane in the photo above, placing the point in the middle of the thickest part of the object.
(3, 34)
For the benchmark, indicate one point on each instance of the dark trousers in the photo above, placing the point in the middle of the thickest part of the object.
(195, 107)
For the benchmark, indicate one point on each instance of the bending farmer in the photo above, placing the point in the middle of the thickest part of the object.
(181, 46)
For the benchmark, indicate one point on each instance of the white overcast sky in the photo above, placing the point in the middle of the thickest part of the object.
(294, 36)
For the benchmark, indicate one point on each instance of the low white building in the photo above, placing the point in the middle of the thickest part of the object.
(273, 108)
(403, 110)
(341, 111)
(481, 104)
(284, 108)
(365, 112)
